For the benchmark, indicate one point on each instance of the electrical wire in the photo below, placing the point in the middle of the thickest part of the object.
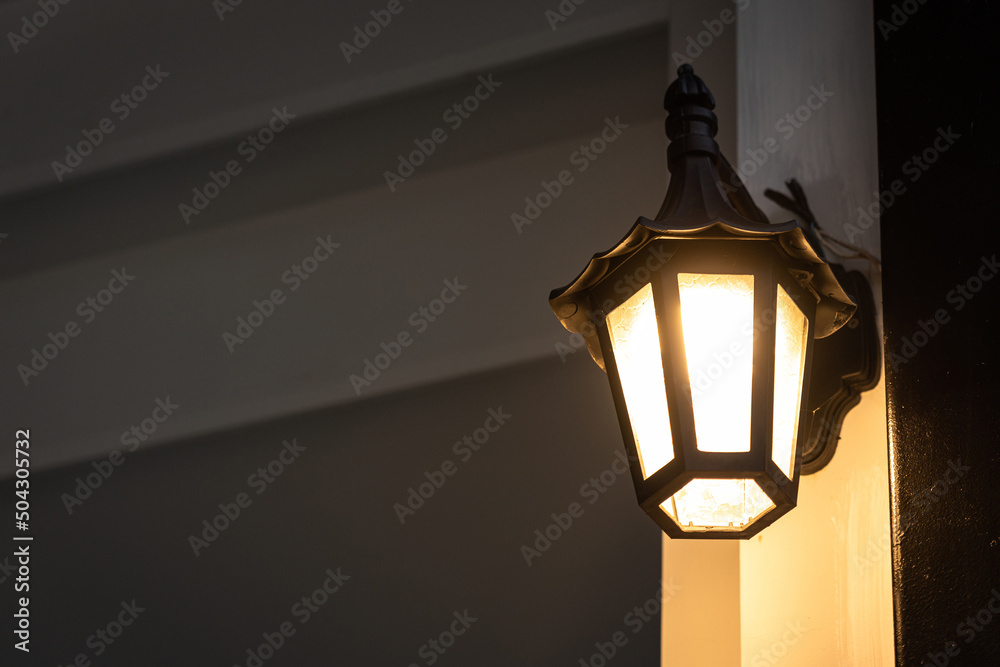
(821, 241)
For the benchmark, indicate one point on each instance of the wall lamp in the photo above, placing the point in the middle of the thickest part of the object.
(732, 347)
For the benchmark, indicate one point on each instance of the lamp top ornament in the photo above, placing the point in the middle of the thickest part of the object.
(691, 123)
(705, 200)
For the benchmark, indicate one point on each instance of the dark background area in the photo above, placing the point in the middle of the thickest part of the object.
(334, 508)
(940, 72)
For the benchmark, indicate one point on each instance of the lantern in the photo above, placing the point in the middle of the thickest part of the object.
(704, 320)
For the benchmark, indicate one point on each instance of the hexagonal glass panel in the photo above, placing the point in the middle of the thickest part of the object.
(717, 505)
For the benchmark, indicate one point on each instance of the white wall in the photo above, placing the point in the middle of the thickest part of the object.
(814, 588)
(837, 582)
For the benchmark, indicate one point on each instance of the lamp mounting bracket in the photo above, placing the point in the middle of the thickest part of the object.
(845, 364)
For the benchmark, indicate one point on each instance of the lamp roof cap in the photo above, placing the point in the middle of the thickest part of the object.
(688, 89)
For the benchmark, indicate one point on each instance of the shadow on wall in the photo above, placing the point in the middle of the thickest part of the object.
(482, 521)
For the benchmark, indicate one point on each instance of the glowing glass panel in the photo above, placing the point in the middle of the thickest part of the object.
(717, 505)
(717, 325)
(635, 340)
(789, 365)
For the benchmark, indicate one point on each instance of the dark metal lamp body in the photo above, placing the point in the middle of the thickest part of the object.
(708, 224)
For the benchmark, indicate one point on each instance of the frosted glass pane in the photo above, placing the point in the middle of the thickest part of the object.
(717, 504)
(789, 364)
(717, 324)
(635, 340)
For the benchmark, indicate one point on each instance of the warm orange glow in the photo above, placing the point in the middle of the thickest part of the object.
(635, 339)
(789, 364)
(717, 324)
(717, 505)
